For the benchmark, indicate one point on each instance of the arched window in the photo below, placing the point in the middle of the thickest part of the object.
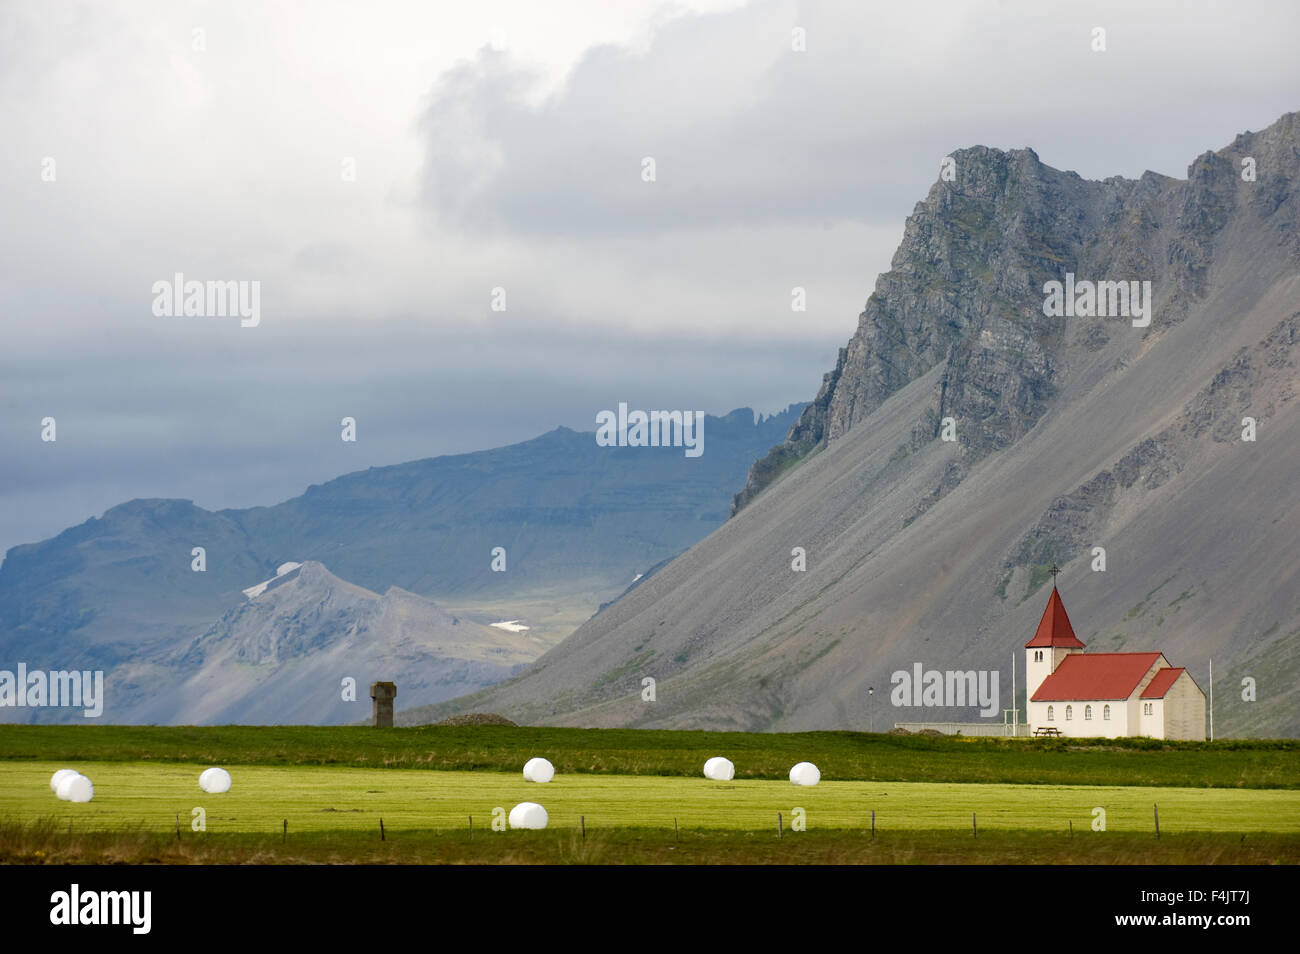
(1051, 713)
(1038, 655)
(1087, 712)
(1069, 713)
(1105, 712)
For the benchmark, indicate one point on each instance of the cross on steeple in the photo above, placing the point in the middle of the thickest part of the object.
(1055, 570)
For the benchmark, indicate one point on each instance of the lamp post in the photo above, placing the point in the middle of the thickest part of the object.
(871, 709)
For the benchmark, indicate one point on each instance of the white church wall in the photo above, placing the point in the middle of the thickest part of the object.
(1184, 710)
(1119, 721)
(1151, 718)
(1080, 727)
(1038, 666)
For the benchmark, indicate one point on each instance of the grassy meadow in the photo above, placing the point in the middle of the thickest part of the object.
(1230, 763)
(641, 797)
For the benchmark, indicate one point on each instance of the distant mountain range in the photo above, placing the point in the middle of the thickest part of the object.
(1071, 431)
(577, 523)
(283, 657)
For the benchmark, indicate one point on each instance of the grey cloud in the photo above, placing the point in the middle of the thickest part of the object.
(745, 131)
(268, 429)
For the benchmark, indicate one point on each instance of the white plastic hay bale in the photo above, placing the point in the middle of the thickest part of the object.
(528, 815)
(76, 788)
(805, 773)
(59, 776)
(214, 781)
(719, 769)
(538, 770)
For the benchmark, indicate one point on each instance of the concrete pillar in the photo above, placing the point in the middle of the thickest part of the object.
(383, 694)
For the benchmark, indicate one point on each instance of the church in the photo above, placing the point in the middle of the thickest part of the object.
(1071, 692)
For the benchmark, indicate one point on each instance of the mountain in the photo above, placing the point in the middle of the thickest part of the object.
(1072, 432)
(283, 652)
(577, 521)
(282, 655)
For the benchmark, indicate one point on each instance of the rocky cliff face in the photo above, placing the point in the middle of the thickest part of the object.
(1121, 452)
(965, 288)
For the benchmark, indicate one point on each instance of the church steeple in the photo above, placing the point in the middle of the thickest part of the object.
(1054, 629)
(1052, 642)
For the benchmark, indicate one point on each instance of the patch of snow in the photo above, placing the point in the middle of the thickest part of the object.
(637, 577)
(253, 592)
(511, 625)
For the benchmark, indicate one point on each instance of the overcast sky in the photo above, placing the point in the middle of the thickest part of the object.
(501, 145)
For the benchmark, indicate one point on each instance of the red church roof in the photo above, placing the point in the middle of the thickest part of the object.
(1162, 683)
(1090, 676)
(1054, 628)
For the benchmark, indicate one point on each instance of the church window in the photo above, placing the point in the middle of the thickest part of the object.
(1069, 713)
(1087, 712)
(1051, 713)
(1105, 712)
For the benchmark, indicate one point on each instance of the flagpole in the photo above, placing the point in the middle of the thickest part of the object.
(1211, 700)
(1015, 713)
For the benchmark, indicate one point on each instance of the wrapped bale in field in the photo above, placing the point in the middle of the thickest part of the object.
(76, 788)
(528, 815)
(719, 769)
(805, 773)
(538, 770)
(214, 781)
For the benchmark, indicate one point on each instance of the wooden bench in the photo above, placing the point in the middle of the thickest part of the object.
(1047, 730)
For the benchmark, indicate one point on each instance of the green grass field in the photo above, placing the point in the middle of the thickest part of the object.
(641, 796)
(1230, 763)
(334, 799)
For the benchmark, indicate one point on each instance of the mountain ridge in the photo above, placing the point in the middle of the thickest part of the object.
(919, 549)
(281, 657)
(577, 521)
